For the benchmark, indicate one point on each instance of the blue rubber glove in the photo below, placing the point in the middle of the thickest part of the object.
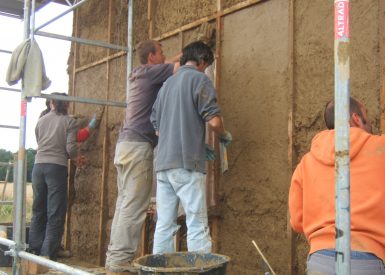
(93, 122)
(210, 152)
(226, 138)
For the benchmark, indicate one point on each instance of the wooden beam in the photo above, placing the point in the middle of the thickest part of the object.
(71, 188)
(236, 7)
(101, 61)
(105, 152)
(150, 17)
(218, 45)
(290, 157)
(189, 26)
(105, 166)
(214, 167)
(181, 40)
(381, 30)
(143, 239)
(214, 233)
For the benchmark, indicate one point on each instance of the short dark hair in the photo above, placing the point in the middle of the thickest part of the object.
(144, 48)
(355, 107)
(60, 105)
(197, 51)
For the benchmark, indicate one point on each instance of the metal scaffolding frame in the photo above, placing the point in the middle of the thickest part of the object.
(342, 135)
(18, 246)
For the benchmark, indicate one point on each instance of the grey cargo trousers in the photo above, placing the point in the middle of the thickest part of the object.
(134, 164)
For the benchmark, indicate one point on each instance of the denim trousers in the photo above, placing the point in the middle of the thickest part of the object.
(322, 262)
(188, 187)
(134, 164)
(49, 184)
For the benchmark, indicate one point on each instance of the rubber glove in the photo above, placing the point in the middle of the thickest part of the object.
(226, 138)
(93, 122)
(210, 152)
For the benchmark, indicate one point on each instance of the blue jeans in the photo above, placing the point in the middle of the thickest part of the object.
(322, 262)
(188, 187)
(49, 184)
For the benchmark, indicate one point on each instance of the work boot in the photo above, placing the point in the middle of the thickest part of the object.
(62, 253)
(126, 268)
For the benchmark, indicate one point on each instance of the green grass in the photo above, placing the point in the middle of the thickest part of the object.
(6, 212)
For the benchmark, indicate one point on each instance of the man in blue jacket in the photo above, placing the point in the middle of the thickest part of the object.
(186, 101)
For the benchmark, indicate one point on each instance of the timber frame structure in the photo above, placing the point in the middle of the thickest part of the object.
(213, 172)
(213, 196)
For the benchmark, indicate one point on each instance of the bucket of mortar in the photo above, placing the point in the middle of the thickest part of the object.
(182, 263)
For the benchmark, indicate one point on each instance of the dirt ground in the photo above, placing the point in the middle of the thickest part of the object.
(275, 66)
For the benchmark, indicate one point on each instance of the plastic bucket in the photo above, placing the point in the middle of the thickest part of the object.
(182, 263)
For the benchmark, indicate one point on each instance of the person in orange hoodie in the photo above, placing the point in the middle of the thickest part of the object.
(312, 196)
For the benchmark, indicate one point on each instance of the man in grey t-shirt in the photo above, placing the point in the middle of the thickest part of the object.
(134, 155)
(185, 103)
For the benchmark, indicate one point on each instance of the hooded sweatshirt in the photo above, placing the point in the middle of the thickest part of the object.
(312, 193)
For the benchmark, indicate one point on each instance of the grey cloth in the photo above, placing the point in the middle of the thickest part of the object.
(27, 63)
(134, 163)
(185, 102)
(319, 264)
(56, 138)
(145, 82)
(49, 183)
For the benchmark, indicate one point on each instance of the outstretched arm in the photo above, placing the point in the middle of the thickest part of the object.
(174, 60)
(84, 133)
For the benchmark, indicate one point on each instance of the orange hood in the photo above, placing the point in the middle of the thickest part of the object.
(322, 145)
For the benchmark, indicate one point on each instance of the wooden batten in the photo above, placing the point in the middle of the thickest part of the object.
(150, 17)
(105, 153)
(382, 63)
(71, 189)
(290, 156)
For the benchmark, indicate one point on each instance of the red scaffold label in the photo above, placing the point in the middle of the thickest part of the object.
(341, 19)
(23, 107)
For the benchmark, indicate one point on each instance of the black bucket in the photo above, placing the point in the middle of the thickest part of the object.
(182, 263)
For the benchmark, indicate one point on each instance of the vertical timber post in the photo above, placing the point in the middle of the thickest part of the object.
(381, 17)
(105, 151)
(290, 157)
(150, 17)
(213, 141)
(71, 166)
(342, 134)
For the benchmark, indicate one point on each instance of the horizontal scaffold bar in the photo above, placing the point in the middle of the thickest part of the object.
(82, 41)
(84, 100)
(9, 126)
(5, 51)
(75, 99)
